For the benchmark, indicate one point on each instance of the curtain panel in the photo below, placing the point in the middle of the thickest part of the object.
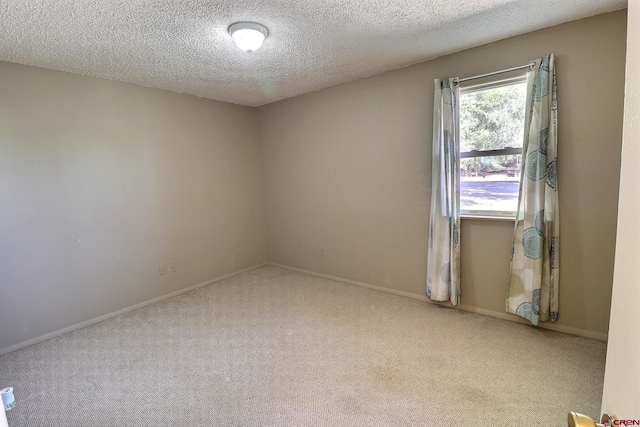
(535, 268)
(443, 256)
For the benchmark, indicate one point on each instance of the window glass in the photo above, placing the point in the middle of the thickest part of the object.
(491, 134)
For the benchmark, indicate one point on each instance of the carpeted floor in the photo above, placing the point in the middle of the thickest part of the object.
(277, 348)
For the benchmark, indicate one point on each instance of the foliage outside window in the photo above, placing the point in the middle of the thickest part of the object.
(491, 134)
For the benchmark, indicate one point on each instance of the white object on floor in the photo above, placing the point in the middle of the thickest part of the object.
(3, 418)
(8, 402)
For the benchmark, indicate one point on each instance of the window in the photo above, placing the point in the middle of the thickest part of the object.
(491, 134)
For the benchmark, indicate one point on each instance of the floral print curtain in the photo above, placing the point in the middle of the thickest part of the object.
(443, 256)
(535, 268)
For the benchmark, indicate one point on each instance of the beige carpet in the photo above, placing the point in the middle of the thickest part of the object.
(277, 348)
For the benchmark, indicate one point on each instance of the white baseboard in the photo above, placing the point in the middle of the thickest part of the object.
(505, 316)
(126, 310)
(353, 282)
(546, 325)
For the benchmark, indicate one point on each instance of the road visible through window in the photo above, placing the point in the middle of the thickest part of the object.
(491, 193)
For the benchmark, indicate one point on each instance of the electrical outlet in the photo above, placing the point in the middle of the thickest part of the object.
(162, 269)
(322, 251)
(172, 267)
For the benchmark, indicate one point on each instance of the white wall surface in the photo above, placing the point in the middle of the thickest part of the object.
(622, 378)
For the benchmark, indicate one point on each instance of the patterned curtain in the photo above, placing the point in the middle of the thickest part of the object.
(443, 257)
(533, 285)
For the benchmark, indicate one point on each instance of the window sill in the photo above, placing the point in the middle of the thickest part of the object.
(488, 217)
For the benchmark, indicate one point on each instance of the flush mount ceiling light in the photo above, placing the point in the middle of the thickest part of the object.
(248, 35)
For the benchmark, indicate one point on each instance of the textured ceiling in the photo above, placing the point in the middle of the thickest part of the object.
(183, 45)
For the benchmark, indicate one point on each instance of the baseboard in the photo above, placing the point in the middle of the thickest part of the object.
(353, 282)
(546, 325)
(126, 310)
(505, 316)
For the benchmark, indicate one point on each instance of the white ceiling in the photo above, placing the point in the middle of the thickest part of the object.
(184, 46)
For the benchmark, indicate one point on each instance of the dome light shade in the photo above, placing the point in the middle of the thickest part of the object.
(248, 35)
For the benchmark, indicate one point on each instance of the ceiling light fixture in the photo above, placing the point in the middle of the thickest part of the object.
(248, 35)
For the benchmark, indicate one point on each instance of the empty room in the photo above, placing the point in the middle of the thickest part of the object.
(269, 213)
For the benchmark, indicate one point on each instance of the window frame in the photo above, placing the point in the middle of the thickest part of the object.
(487, 84)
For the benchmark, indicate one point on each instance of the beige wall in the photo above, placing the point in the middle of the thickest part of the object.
(621, 386)
(348, 169)
(100, 182)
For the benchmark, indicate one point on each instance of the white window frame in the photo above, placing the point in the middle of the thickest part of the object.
(470, 88)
